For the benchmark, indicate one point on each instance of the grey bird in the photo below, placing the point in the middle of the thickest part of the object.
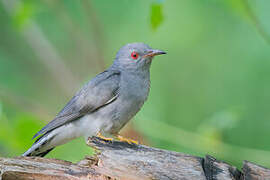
(104, 104)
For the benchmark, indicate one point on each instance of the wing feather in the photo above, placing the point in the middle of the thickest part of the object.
(100, 91)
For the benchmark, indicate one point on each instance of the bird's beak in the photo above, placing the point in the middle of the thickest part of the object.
(154, 52)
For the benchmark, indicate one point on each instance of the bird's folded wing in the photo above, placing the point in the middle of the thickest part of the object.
(99, 92)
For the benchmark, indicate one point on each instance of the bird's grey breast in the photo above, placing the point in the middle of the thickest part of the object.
(133, 92)
(134, 87)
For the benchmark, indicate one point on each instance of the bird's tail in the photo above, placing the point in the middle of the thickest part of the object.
(40, 147)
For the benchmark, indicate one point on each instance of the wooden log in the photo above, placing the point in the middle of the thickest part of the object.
(123, 161)
(215, 169)
(130, 161)
(22, 168)
(253, 171)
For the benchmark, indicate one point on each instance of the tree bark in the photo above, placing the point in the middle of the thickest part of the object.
(120, 160)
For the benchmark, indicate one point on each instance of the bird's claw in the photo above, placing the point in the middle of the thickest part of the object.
(103, 137)
(129, 141)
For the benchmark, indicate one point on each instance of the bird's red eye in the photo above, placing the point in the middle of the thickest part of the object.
(134, 55)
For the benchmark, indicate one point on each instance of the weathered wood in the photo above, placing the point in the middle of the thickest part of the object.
(253, 171)
(215, 169)
(24, 168)
(120, 160)
(130, 161)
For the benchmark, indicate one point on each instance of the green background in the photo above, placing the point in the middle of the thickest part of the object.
(209, 95)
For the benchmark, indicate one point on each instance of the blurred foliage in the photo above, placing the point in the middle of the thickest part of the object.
(23, 14)
(209, 94)
(156, 15)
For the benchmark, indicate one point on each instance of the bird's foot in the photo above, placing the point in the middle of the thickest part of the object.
(103, 137)
(123, 139)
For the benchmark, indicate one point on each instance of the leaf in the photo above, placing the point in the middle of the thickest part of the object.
(156, 15)
(239, 7)
(23, 14)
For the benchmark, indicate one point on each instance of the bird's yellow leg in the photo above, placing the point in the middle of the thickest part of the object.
(103, 137)
(123, 139)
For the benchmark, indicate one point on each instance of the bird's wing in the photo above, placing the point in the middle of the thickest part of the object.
(99, 92)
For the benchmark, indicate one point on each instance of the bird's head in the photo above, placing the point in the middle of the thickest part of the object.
(136, 56)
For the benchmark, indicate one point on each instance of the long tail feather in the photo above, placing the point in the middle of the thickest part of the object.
(39, 147)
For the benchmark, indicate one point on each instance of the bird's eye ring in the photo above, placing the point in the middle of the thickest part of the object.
(134, 55)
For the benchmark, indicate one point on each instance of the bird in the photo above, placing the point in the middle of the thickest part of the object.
(104, 104)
